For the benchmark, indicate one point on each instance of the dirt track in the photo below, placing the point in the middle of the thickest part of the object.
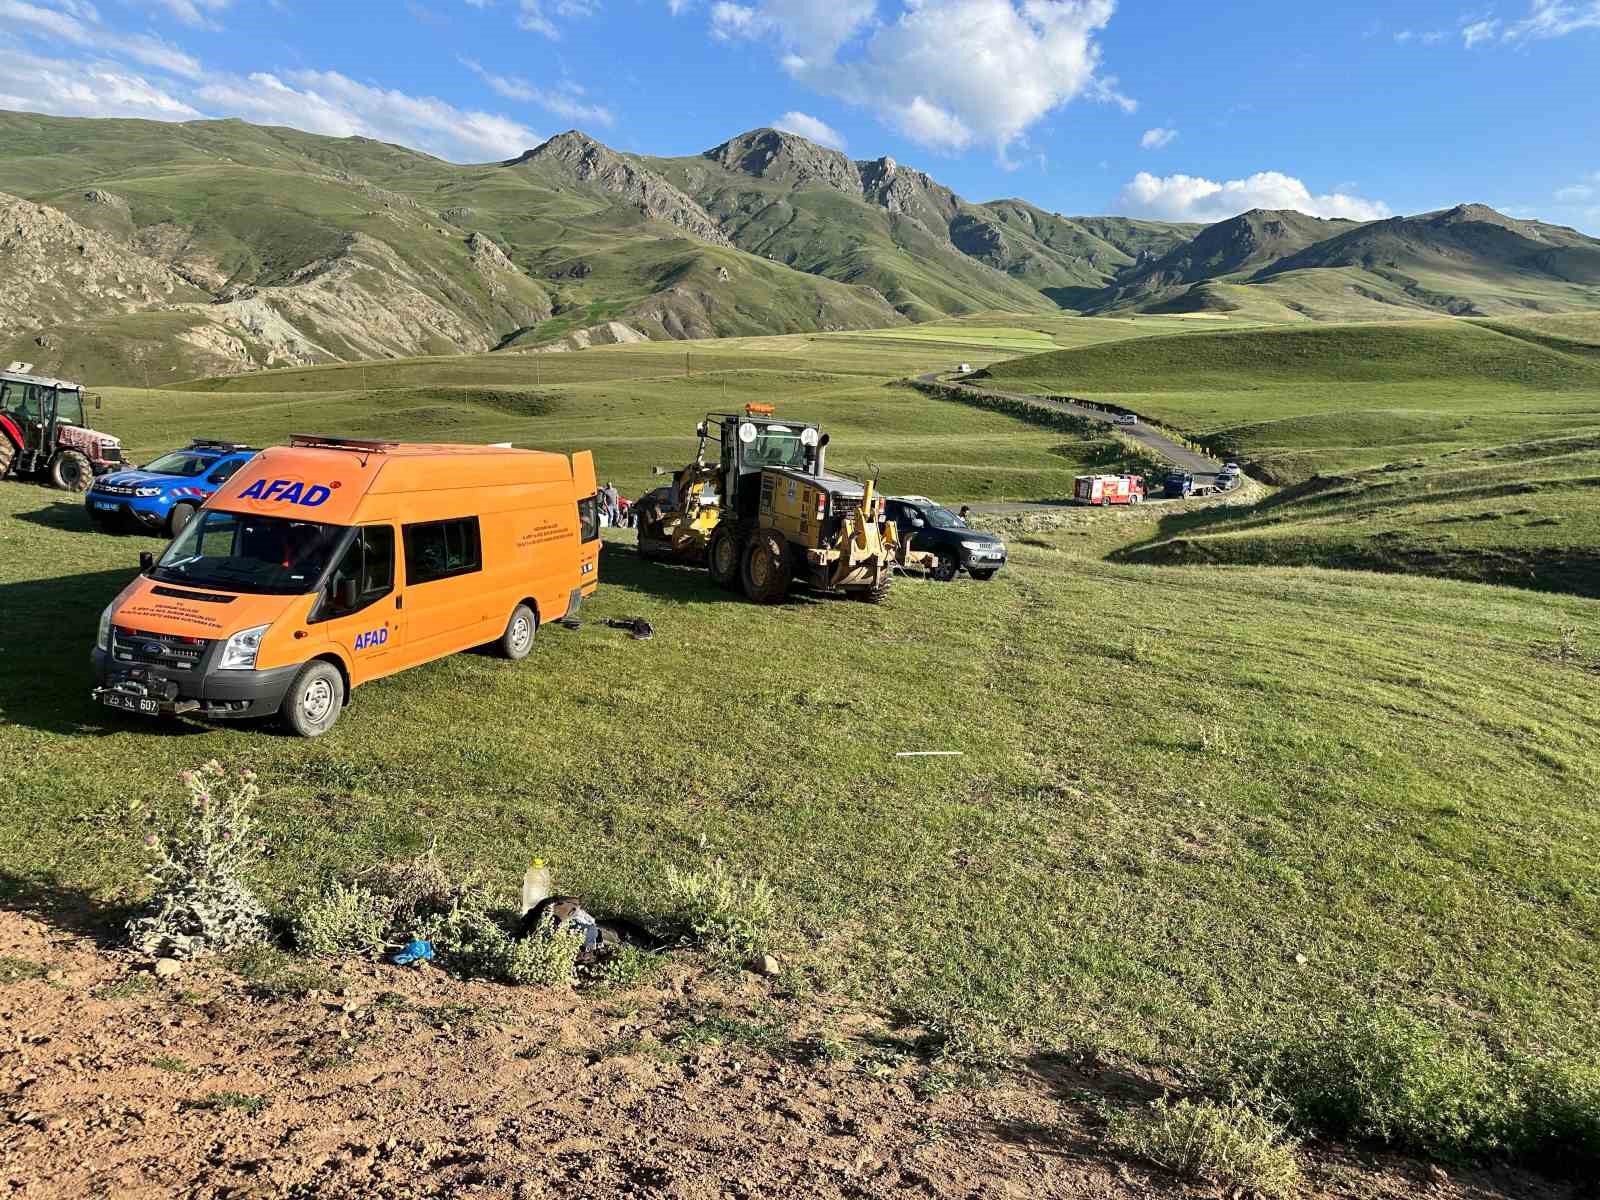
(399, 1084)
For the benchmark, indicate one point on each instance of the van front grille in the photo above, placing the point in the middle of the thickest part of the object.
(157, 649)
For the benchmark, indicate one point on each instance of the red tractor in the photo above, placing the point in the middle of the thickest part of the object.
(43, 433)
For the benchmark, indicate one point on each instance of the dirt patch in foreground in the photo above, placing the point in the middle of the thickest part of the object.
(388, 1082)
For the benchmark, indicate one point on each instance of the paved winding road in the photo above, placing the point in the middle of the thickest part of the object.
(1158, 443)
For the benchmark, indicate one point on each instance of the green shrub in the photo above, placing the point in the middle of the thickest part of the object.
(1387, 1077)
(474, 939)
(1231, 1145)
(202, 902)
(345, 920)
(1383, 1076)
(729, 913)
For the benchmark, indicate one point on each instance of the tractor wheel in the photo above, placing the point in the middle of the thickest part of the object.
(180, 516)
(312, 703)
(984, 575)
(878, 592)
(70, 471)
(768, 567)
(8, 453)
(723, 556)
(947, 568)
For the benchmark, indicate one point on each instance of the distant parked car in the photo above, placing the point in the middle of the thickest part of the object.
(1127, 418)
(934, 529)
(161, 496)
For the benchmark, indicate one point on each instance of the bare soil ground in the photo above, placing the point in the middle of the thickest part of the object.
(391, 1082)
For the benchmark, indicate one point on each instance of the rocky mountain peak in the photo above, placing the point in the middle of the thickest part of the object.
(786, 158)
(601, 167)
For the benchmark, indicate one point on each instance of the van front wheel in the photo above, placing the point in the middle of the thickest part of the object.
(517, 640)
(314, 700)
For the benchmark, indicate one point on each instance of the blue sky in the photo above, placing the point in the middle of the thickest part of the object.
(1145, 107)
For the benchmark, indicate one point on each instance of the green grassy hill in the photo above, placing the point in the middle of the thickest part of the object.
(1461, 448)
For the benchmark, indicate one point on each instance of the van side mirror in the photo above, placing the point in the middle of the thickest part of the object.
(147, 561)
(344, 594)
(917, 522)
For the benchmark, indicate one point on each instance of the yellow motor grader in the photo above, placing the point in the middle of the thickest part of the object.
(767, 513)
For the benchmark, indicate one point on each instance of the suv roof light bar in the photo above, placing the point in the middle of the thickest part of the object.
(218, 444)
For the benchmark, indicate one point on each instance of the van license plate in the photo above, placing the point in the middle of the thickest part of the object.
(104, 506)
(133, 704)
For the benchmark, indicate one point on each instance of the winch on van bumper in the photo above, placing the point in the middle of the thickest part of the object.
(155, 690)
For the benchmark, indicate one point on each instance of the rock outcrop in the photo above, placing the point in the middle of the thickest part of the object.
(600, 167)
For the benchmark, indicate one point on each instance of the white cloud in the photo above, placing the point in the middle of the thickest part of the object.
(565, 100)
(85, 89)
(811, 128)
(536, 15)
(1155, 139)
(1479, 32)
(1555, 18)
(946, 73)
(78, 25)
(330, 103)
(194, 12)
(1431, 37)
(1576, 194)
(1188, 198)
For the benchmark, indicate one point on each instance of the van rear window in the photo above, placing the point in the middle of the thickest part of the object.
(442, 549)
(589, 519)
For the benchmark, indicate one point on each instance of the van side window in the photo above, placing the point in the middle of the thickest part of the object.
(442, 549)
(589, 519)
(370, 563)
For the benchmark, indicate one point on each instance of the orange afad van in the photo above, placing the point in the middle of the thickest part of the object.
(328, 563)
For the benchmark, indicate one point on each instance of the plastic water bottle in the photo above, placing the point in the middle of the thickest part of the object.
(535, 885)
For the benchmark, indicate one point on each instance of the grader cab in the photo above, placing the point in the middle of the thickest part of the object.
(767, 513)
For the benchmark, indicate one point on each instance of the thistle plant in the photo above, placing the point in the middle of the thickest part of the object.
(202, 902)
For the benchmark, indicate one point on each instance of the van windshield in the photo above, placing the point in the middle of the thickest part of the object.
(246, 553)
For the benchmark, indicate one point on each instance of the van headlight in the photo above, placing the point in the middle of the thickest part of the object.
(102, 637)
(240, 652)
(146, 493)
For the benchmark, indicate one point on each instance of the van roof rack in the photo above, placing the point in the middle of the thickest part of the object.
(362, 445)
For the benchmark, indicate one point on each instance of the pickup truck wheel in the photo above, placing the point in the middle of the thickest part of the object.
(70, 471)
(314, 700)
(179, 517)
(517, 640)
(984, 575)
(947, 568)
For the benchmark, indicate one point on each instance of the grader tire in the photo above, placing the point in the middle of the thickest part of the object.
(724, 556)
(768, 568)
(70, 471)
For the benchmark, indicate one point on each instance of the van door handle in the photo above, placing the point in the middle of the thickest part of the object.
(399, 601)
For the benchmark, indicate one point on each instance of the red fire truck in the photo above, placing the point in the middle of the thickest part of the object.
(1108, 489)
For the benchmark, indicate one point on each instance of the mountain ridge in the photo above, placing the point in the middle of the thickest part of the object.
(257, 246)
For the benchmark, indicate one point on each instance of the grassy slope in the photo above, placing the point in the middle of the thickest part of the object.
(1173, 781)
(263, 202)
(821, 230)
(1460, 448)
